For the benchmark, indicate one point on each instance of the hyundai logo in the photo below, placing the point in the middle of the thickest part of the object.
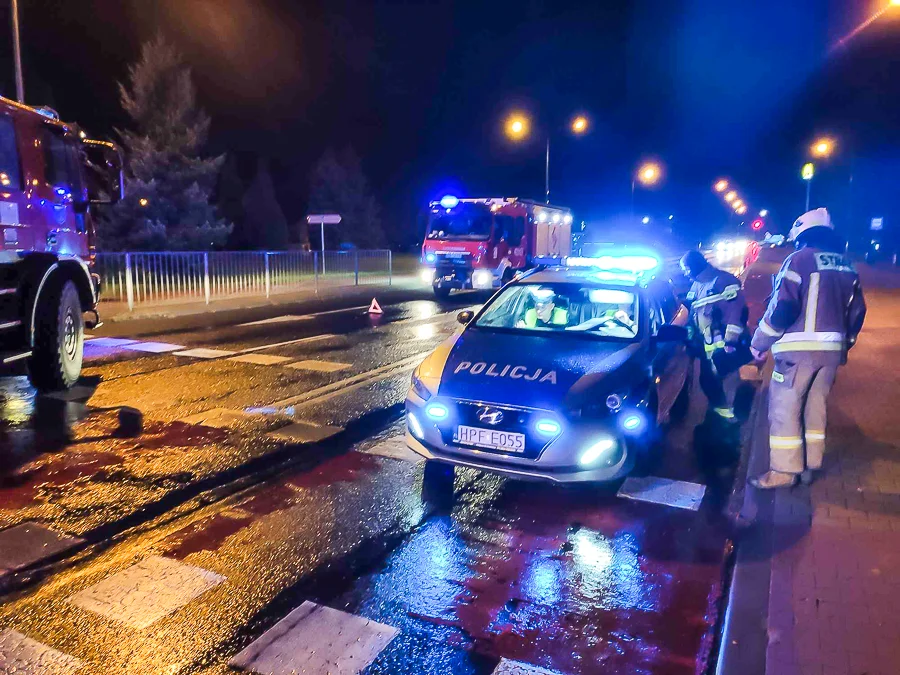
(491, 416)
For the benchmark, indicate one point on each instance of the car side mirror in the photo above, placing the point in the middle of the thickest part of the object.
(669, 332)
(465, 316)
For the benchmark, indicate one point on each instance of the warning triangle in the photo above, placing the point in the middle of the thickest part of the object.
(375, 308)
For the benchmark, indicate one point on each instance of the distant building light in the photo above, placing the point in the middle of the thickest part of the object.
(143, 201)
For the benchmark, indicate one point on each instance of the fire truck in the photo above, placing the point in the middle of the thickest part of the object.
(481, 243)
(52, 177)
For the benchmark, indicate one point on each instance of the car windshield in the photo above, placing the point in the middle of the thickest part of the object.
(566, 308)
(473, 223)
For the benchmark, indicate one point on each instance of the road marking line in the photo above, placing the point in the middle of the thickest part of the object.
(320, 366)
(508, 667)
(21, 654)
(28, 543)
(221, 418)
(152, 347)
(316, 639)
(203, 353)
(142, 594)
(261, 359)
(301, 317)
(329, 391)
(111, 342)
(286, 343)
(676, 493)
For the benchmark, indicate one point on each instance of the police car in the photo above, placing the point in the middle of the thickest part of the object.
(564, 375)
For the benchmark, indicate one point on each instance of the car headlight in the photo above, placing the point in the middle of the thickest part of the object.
(419, 387)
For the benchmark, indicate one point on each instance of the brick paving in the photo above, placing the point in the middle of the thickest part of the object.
(834, 591)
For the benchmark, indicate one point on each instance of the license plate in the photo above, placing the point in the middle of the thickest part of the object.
(491, 439)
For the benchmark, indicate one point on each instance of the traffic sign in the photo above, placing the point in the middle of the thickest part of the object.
(323, 219)
(877, 223)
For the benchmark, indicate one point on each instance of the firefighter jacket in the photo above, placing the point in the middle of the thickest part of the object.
(718, 309)
(816, 310)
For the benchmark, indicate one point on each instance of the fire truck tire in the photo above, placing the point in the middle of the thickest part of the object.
(58, 350)
(441, 292)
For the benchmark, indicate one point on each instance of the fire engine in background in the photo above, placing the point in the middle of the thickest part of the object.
(481, 243)
(51, 177)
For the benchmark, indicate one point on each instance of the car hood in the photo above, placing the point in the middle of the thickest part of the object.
(537, 371)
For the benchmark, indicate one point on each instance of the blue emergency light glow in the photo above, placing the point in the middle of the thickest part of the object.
(632, 422)
(437, 411)
(449, 201)
(430, 257)
(635, 264)
(548, 427)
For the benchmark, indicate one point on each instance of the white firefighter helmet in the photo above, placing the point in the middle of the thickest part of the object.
(809, 220)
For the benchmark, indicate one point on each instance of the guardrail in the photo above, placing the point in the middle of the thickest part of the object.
(164, 277)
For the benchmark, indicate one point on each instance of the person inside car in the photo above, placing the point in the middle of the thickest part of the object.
(545, 313)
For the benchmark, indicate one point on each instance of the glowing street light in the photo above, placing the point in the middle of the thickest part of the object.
(764, 213)
(737, 204)
(579, 124)
(807, 173)
(731, 196)
(517, 126)
(742, 210)
(143, 201)
(721, 186)
(823, 148)
(645, 220)
(649, 174)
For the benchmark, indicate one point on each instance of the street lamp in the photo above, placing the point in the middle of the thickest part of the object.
(823, 148)
(579, 124)
(742, 210)
(731, 196)
(721, 186)
(518, 127)
(648, 174)
(737, 204)
(764, 213)
(645, 220)
(807, 173)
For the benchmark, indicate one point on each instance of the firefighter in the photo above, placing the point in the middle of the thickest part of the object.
(718, 327)
(814, 316)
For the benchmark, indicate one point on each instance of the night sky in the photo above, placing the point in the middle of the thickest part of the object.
(420, 90)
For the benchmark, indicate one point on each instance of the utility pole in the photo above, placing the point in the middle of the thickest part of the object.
(17, 52)
(547, 172)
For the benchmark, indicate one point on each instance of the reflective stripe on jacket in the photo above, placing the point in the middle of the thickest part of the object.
(718, 308)
(816, 310)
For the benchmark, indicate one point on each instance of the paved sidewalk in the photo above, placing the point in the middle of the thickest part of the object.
(817, 584)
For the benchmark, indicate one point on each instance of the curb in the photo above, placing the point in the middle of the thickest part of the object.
(744, 637)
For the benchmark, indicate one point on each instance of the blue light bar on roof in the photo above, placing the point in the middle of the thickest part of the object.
(449, 201)
(634, 264)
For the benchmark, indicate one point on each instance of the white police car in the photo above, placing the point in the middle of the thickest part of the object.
(564, 375)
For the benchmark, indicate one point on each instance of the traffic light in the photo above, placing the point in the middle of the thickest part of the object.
(757, 224)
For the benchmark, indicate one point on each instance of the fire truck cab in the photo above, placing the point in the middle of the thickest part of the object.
(51, 179)
(481, 243)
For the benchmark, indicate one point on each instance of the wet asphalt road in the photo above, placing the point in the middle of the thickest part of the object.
(221, 493)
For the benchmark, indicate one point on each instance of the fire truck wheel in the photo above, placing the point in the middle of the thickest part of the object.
(58, 349)
(442, 292)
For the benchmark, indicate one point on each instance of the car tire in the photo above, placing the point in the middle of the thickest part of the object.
(58, 351)
(441, 292)
(437, 483)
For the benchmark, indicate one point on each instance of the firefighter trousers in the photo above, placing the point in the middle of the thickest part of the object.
(797, 398)
(720, 391)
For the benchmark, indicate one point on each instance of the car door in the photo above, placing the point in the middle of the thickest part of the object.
(65, 191)
(671, 363)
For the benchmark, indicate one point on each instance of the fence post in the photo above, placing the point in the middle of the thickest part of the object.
(356, 266)
(206, 276)
(390, 269)
(316, 268)
(268, 282)
(129, 284)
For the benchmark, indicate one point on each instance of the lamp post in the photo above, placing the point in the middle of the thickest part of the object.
(807, 173)
(17, 51)
(648, 174)
(518, 127)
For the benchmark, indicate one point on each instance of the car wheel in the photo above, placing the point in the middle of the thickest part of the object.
(437, 483)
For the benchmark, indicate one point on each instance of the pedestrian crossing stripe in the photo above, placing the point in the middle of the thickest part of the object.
(316, 639)
(20, 654)
(319, 366)
(508, 667)
(261, 359)
(203, 353)
(664, 491)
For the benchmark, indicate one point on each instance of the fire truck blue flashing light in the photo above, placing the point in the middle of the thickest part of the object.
(449, 201)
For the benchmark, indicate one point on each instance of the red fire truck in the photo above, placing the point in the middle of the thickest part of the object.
(481, 243)
(51, 179)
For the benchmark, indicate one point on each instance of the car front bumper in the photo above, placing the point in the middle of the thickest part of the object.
(558, 461)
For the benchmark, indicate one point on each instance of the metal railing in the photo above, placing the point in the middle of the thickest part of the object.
(159, 278)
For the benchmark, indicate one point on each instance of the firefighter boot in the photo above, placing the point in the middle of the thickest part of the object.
(773, 479)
